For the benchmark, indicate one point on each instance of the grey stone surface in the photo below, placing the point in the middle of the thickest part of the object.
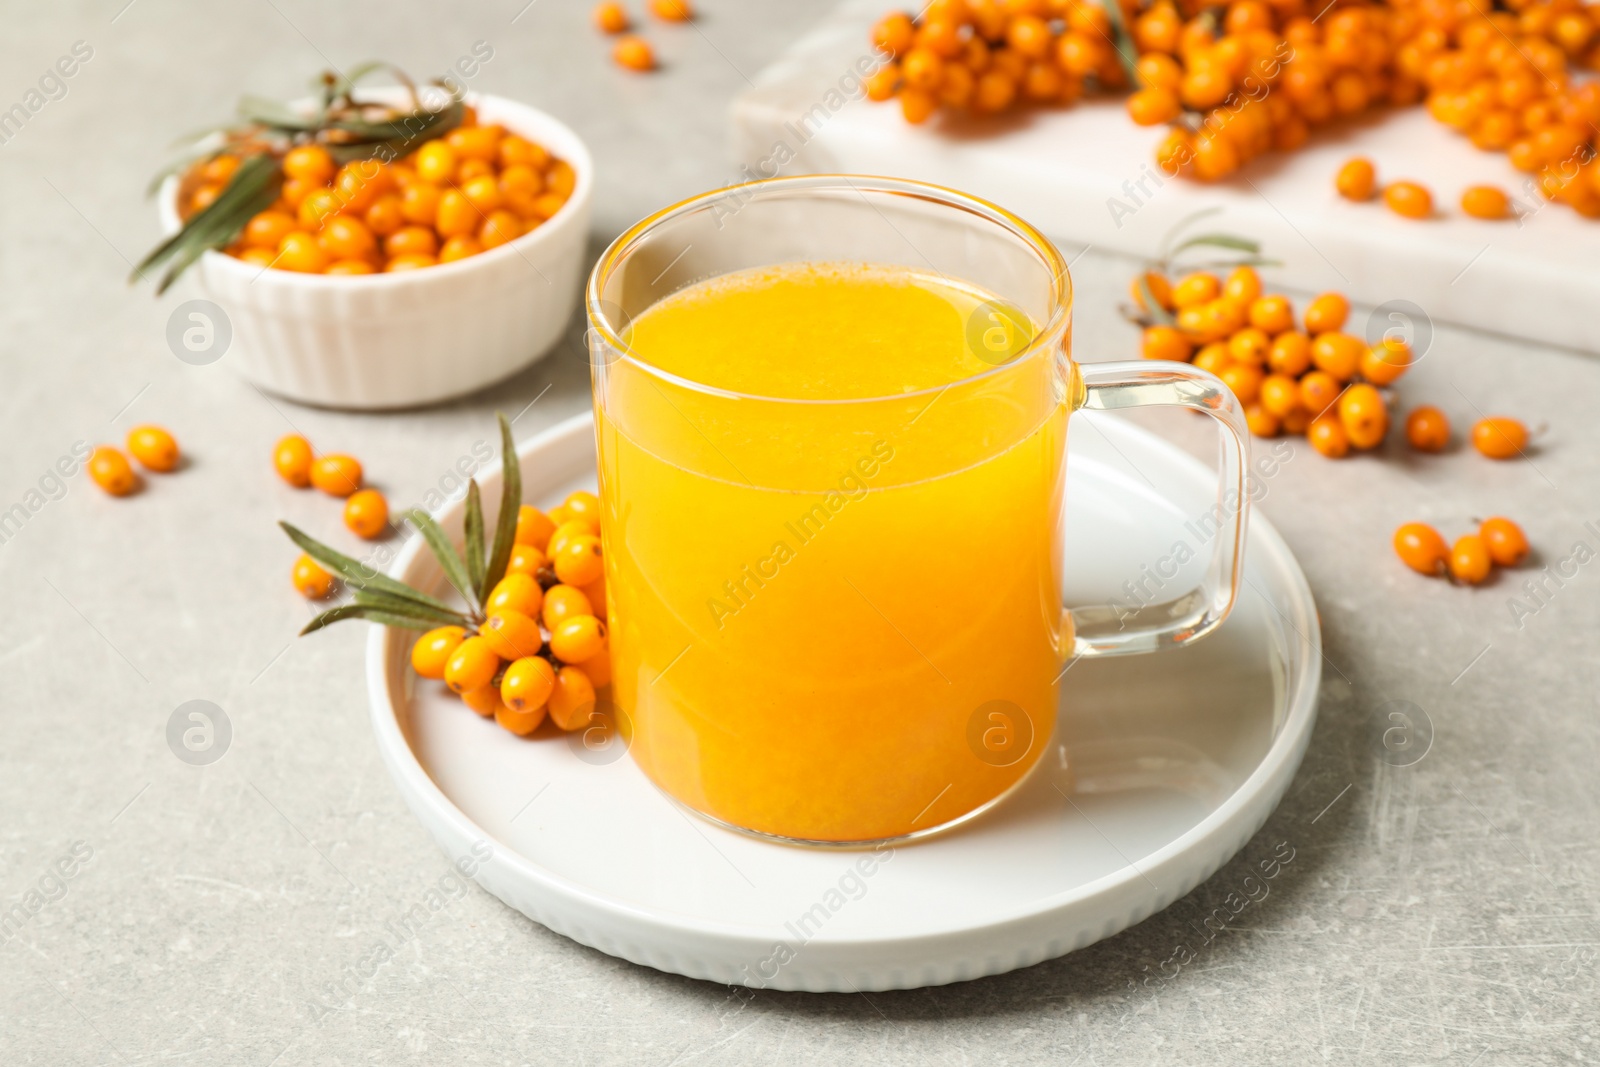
(1443, 912)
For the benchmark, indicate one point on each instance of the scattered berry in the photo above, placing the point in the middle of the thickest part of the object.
(366, 513)
(1421, 548)
(310, 579)
(1469, 559)
(154, 448)
(111, 471)
(1499, 437)
(610, 17)
(634, 53)
(1428, 429)
(1485, 202)
(1507, 544)
(1409, 200)
(1357, 179)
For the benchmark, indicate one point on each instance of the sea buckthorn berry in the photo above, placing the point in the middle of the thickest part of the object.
(310, 579)
(1195, 289)
(309, 163)
(1364, 416)
(546, 206)
(518, 592)
(1420, 547)
(419, 203)
(894, 33)
(485, 701)
(299, 251)
(583, 506)
(1262, 422)
(596, 592)
(433, 649)
(111, 471)
(471, 666)
(1338, 354)
(521, 723)
(1470, 561)
(259, 257)
(268, 229)
(344, 237)
(1243, 285)
(1507, 544)
(1244, 379)
(1290, 354)
(360, 182)
(1327, 435)
(336, 474)
(500, 227)
(1318, 391)
(1409, 200)
(578, 638)
(1485, 202)
(516, 150)
(671, 10)
(436, 162)
(350, 267)
(534, 527)
(1385, 362)
(1428, 429)
(579, 560)
(1153, 106)
(572, 699)
(154, 448)
(1165, 342)
(527, 684)
(565, 531)
(410, 241)
(366, 513)
(459, 247)
(561, 178)
(1250, 345)
(291, 458)
(1213, 358)
(563, 602)
(634, 53)
(318, 206)
(511, 634)
(456, 214)
(475, 142)
(1357, 179)
(413, 261)
(882, 83)
(1326, 313)
(525, 559)
(1499, 437)
(1160, 290)
(484, 192)
(1297, 422)
(598, 666)
(384, 216)
(1280, 394)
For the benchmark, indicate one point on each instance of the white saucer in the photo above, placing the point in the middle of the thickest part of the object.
(1171, 762)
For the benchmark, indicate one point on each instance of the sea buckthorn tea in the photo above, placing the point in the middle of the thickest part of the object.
(831, 421)
(808, 618)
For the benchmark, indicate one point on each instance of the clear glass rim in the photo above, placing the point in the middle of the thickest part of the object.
(1051, 260)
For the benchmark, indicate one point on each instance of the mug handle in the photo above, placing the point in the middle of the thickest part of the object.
(1112, 630)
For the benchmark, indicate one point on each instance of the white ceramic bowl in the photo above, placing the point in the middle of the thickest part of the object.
(414, 337)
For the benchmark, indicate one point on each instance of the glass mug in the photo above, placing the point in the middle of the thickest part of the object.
(839, 622)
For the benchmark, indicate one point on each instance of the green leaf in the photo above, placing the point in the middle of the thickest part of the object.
(1183, 224)
(474, 545)
(1127, 53)
(281, 116)
(254, 186)
(356, 573)
(449, 559)
(1221, 240)
(1152, 306)
(505, 527)
(364, 611)
(401, 606)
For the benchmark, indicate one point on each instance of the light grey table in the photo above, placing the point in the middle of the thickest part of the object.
(1439, 913)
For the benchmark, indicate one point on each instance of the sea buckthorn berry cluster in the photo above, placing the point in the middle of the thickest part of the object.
(1235, 80)
(475, 188)
(154, 448)
(1497, 542)
(1313, 379)
(541, 650)
(366, 512)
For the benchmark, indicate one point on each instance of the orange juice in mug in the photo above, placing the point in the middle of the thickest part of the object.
(831, 416)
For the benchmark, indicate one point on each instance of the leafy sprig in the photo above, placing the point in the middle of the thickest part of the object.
(1167, 262)
(350, 130)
